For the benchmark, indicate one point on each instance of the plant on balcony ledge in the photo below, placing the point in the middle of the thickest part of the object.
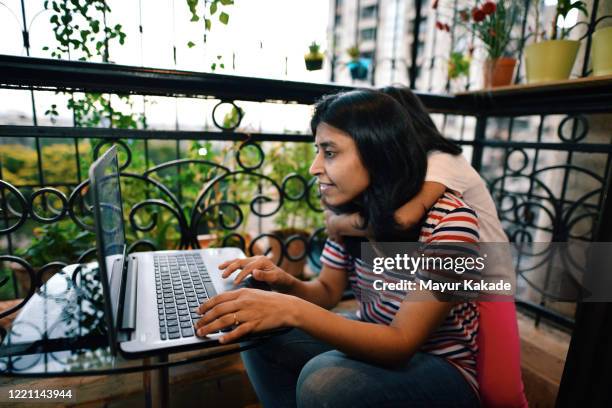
(358, 66)
(553, 59)
(314, 57)
(492, 24)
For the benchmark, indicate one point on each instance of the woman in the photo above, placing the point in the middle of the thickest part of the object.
(369, 160)
(447, 169)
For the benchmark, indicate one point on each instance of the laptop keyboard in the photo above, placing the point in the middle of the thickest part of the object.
(182, 283)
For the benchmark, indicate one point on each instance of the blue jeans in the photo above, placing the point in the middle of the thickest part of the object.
(295, 369)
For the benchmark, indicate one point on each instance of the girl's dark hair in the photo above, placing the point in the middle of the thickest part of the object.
(390, 150)
(428, 133)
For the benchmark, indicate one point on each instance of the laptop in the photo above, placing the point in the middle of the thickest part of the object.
(149, 297)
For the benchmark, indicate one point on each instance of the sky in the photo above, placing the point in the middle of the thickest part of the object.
(262, 35)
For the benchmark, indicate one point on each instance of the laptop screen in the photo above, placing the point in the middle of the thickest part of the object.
(110, 233)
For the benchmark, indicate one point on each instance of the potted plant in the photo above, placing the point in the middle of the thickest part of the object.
(553, 59)
(601, 51)
(314, 57)
(492, 24)
(358, 67)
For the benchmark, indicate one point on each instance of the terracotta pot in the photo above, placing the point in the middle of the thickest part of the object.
(206, 240)
(498, 72)
(550, 60)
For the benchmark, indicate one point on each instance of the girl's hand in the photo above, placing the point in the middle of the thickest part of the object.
(261, 268)
(248, 310)
(337, 225)
(333, 224)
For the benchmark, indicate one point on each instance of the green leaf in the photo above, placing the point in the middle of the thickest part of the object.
(227, 2)
(580, 5)
(45, 48)
(224, 17)
(190, 44)
(213, 8)
(207, 24)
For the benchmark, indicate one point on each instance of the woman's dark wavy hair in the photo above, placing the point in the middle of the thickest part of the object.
(390, 149)
(429, 135)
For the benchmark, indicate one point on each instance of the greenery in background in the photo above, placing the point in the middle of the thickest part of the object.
(77, 28)
(458, 65)
(207, 13)
(284, 159)
(62, 241)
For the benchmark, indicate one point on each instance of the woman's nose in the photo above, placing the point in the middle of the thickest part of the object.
(316, 168)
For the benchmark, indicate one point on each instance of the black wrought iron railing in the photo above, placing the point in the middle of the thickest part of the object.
(545, 153)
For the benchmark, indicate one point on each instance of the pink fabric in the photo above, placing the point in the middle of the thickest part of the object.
(499, 360)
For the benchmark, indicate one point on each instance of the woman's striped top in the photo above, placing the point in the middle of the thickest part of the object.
(449, 220)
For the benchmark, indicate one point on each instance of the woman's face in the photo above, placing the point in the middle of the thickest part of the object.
(337, 166)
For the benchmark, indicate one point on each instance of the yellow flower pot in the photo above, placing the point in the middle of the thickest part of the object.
(601, 52)
(550, 60)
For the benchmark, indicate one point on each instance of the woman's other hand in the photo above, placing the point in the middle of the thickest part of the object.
(262, 269)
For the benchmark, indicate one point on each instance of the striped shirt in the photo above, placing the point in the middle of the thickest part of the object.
(449, 220)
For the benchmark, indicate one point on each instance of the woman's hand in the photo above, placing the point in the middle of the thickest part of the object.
(261, 268)
(248, 310)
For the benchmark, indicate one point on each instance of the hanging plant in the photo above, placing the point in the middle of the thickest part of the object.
(314, 57)
(358, 66)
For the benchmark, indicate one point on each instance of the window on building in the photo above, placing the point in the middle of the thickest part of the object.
(369, 11)
(368, 55)
(338, 19)
(368, 34)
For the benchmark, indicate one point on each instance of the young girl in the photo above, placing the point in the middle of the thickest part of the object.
(447, 169)
(401, 352)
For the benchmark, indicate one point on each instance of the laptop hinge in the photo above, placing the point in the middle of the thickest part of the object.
(128, 321)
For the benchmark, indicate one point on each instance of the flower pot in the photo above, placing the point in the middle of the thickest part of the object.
(498, 72)
(358, 69)
(206, 240)
(551, 60)
(601, 52)
(313, 64)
